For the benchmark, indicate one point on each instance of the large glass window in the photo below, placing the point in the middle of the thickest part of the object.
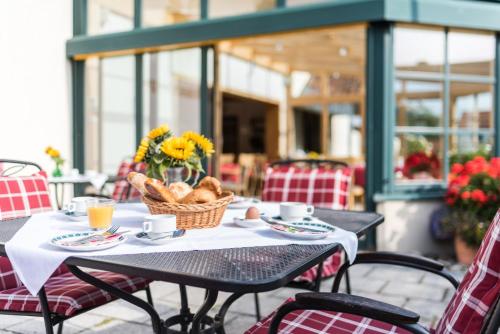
(107, 16)
(164, 12)
(109, 112)
(443, 105)
(219, 8)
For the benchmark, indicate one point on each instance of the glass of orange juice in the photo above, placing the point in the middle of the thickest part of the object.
(100, 212)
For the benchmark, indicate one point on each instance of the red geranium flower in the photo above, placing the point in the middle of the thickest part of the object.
(465, 195)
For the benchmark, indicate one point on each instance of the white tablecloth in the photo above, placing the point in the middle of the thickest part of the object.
(34, 259)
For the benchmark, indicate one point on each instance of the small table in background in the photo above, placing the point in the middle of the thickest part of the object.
(97, 180)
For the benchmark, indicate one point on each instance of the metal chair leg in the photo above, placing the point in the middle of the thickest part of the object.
(347, 282)
(47, 319)
(257, 306)
(149, 297)
(60, 328)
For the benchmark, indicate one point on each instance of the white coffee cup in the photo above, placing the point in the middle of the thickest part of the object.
(155, 224)
(295, 211)
(79, 204)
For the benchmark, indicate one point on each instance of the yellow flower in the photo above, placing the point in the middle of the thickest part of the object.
(48, 149)
(54, 153)
(178, 148)
(159, 131)
(142, 150)
(201, 141)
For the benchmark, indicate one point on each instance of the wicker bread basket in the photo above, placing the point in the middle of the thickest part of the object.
(191, 216)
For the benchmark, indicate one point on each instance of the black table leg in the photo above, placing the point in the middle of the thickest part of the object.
(202, 312)
(219, 317)
(155, 318)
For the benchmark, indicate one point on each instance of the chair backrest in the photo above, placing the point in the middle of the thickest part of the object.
(319, 186)
(313, 163)
(22, 195)
(479, 290)
(123, 190)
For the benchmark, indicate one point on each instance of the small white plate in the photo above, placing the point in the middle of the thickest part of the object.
(159, 239)
(61, 241)
(248, 223)
(292, 229)
(76, 217)
(242, 202)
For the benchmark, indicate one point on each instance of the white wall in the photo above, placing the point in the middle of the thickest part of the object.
(406, 228)
(35, 79)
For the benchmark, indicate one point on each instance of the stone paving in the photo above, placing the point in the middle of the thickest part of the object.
(423, 293)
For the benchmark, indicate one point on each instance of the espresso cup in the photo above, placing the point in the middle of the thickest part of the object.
(79, 204)
(155, 224)
(295, 211)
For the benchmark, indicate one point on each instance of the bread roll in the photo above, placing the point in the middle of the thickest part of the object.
(179, 190)
(212, 184)
(199, 196)
(155, 189)
(137, 181)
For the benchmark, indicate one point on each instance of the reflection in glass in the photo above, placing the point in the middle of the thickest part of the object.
(109, 112)
(172, 90)
(418, 49)
(419, 103)
(418, 158)
(219, 8)
(345, 130)
(471, 105)
(307, 129)
(471, 53)
(344, 84)
(107, 16)
(470, 143)
(164, 12)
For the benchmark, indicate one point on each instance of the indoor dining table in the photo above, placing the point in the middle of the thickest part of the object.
(235, 270)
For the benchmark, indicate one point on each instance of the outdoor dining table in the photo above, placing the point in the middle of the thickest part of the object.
(235, 270)
(97, 180)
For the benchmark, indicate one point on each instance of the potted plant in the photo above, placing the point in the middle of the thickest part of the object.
(473, 197)
(58, 160)
(421, 162)
(170, 158)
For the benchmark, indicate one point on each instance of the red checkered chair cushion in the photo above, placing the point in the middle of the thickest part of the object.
(22, 196)
(123, 190)
(321, 187)
(66, 294)
(315, 322)
(478, 290)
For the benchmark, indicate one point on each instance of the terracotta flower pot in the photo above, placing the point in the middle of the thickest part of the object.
(465, 253)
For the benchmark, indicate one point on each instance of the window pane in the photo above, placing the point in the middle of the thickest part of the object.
(471, 53)
(344, 84)
(219, 8)
(107, 16)
(467, 144)
(292, 3)
(305, 84)
(109, 114)
(172, 90)
(164, 12)
(307, 129)
(471, 105)
(418, 158)
(418, 50)
(345, 130)
(419, 103)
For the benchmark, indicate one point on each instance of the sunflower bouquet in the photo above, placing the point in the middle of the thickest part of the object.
(161, 151)
(55, 155)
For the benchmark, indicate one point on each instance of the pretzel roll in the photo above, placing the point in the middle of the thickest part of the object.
(199, 196)
(155, 189)
(212, 184)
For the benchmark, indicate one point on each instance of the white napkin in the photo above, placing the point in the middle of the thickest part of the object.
(34, 259)
(98, 180)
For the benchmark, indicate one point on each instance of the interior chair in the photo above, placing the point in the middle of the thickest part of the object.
(474, 308)
(123, 191)
(63, 295)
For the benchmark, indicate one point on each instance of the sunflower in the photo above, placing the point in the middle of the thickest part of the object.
(159, 131)
(178, 148)
(142, 150)
(202, 142)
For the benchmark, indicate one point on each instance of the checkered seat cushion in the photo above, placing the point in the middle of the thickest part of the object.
(22, 196)
(479, 289)
(315, 322)
(320, 187)
(66, 294)
(123, 191)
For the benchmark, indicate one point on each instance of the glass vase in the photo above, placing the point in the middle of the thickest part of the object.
(57, 172)
(174, 174)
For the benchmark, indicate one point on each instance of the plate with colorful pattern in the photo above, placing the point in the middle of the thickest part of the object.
(66, 241)
(296, 229)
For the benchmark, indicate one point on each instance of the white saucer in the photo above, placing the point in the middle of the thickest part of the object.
(159, 238)
(242, 202)
(76, 217)
(248, 223)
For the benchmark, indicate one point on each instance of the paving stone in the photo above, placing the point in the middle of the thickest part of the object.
(36, 326)
(386, 272)
(360, 270)
(162, 289)
(120, 310)
(413, 290)
(436, 280)
(10, 320)
(119, 326)
(365, 284)
(87, 320)
(430, 312)
(239, 324)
